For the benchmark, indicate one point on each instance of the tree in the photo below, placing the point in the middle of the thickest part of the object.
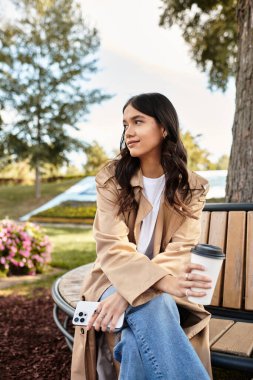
(197, 157)
(222, 163)
(220, 35)
(46, 57)
(96, 158)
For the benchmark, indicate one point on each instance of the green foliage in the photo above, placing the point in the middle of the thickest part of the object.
(197, 157)
(22, 173)
(74, 171)
(96, 158)
(17, 170)
(209, 27)
(62, 211)
(222, 163)
(46, 57)
(216, 200)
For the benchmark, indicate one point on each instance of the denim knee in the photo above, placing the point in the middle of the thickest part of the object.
(164, 304)
(166, 301)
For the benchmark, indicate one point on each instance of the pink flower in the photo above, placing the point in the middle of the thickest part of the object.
(13, 249)
(25, 253)
(24, 246)
(14, 262)
(38, 258)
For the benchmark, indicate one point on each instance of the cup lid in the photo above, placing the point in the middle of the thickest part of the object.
(208, 250)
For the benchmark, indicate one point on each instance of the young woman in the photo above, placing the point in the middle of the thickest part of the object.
(148, 219)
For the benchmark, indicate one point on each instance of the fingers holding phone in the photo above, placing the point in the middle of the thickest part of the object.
(107, 315)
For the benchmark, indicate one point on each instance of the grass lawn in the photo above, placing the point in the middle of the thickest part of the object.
(72, 246)
(18, 200)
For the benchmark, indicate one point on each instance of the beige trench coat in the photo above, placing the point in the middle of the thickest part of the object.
(133, 273)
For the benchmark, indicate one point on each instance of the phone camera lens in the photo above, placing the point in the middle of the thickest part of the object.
(76, 319)
(82, 320)
(80, 314)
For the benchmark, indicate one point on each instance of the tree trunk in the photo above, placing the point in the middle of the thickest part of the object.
(239, 187)
(37, 181)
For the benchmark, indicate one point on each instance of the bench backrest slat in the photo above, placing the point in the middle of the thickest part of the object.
(205, 221)
(234, 266)
(217, 236)
(249, 264)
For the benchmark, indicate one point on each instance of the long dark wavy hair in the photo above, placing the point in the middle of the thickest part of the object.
(173, 156)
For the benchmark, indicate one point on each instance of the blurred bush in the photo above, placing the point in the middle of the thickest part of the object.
(24, 248)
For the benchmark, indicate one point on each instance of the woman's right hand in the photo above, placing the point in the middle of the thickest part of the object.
(181, 285)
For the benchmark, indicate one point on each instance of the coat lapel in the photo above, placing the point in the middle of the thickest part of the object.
(166, 224)
(144, 205)
(159, 227)
(144, 208)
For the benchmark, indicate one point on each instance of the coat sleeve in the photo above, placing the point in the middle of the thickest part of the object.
(177, 251)
(131, 272)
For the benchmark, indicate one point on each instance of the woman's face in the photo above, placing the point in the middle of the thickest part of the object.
(143, 135)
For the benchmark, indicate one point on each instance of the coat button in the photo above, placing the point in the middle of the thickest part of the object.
(82, 331)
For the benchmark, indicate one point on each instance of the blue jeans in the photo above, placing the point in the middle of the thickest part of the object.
(154, 345)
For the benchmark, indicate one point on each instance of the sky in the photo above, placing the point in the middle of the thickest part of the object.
(135, 56)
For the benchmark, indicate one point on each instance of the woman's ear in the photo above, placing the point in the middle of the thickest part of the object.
(164, 132)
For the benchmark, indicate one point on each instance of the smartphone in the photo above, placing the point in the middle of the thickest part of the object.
(85, 309)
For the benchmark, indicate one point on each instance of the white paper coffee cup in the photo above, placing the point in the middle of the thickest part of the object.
(211, 257)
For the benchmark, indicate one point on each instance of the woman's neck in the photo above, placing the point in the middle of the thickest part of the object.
(152, 169)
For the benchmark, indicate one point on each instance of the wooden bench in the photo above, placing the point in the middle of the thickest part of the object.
(229, 226)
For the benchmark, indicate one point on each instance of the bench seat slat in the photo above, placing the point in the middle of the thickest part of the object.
(69, 294)
(218, 327)
(237, 340)
(73, 301)
(77, 273)
(71, 282)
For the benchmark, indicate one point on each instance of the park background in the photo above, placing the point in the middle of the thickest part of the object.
(127, 53)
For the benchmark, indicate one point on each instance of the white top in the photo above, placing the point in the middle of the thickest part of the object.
(153, 188)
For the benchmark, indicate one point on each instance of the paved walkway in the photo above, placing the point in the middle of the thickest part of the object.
(7, 282)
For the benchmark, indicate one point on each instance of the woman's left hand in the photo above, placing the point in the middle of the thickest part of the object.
(108, 311)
